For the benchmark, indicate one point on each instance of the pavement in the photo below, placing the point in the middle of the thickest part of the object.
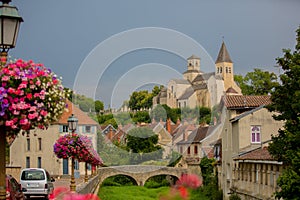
(65, 182)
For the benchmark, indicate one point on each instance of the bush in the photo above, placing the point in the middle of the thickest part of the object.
(234, 197)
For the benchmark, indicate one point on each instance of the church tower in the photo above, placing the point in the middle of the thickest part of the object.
(193, 68)
(224, 67)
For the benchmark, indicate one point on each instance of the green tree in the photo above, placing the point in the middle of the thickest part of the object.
(140, 100)
(142, 142)
(99, 105)
(286, 100)
(258, 82)
(158, 113)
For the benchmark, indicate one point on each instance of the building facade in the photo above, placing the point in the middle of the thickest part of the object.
(36, 148)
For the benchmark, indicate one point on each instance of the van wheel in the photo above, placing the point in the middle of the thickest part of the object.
(46, 197)
(27, 197)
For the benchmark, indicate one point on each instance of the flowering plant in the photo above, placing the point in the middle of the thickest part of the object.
(30, 96)
(62, 193)
(77, 147)
(180, 190)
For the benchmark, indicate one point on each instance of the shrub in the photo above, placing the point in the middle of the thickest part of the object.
(234, 197)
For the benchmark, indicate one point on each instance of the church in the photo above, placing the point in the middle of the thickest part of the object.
(199, 89)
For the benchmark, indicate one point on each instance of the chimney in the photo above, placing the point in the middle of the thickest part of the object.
(168, 125)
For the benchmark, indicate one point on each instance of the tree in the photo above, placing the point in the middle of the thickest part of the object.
(140, 100)
(257, 82)
(99, 105)
(142, 142)
(286, 100)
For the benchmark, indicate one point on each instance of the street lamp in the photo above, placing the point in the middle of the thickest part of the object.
(9, 28)
(72, 125)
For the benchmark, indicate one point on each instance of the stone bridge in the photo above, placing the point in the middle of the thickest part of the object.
(140, 173)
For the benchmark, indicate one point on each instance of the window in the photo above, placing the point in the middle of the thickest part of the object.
(226, 70)
(229, 70)
(40, 144)
(87, 129)
(220, 69)
(255, 134)
(196, 150)
(39, 162)
(189, 150)
(181, 150)
(27, 162)
(65, 128)
(28, 144)
(76, 165)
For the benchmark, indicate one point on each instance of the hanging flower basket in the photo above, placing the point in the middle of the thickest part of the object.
(77, 147)
(30, 96)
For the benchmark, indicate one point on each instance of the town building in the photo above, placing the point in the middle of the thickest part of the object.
(248, 128)
(36, 148)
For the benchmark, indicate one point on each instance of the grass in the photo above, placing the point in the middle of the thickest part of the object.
(131, 193)
(139, 193)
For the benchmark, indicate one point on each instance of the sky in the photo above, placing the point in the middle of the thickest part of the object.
(108, 49)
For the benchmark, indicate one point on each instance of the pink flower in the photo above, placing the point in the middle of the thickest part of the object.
(32, 116)
(5, 78)
(24, 121)
(43, 113)
(9, 123)
(189, 180)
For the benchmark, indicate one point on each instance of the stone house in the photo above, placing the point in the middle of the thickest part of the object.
(248, 126)
(36, 149)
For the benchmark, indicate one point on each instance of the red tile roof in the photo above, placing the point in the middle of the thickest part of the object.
(82, 117)
(258, 154)
(241, 101)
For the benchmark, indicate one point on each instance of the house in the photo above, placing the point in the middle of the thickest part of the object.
(255, 174)
(248, 126)
(36, 149)
(197, 88)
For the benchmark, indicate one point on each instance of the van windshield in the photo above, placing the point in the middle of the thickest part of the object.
(33, 175)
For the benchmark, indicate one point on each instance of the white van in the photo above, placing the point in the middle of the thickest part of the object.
(37, 182)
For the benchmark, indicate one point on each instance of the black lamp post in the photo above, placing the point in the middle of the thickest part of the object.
(9, 28)
(72, 125)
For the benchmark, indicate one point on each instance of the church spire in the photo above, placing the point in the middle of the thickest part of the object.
(223, 55)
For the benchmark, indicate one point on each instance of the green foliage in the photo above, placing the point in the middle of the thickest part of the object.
(207, 170)
(204, 115)
(142, 142)
(140, 100)
(258, 82)
(286, 100)
(119, 180)
(158, 113)
(234, 197)
(141, 116)
(157, 181)
(98, 106)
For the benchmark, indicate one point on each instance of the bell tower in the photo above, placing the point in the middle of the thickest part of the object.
(193, 68)
(224, 67)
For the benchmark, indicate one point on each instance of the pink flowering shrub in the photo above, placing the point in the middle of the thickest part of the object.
(182, 187)
(62, 193)
(30, 96)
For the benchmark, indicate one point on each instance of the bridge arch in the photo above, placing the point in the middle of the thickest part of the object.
(132, 179)
(140, 173)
